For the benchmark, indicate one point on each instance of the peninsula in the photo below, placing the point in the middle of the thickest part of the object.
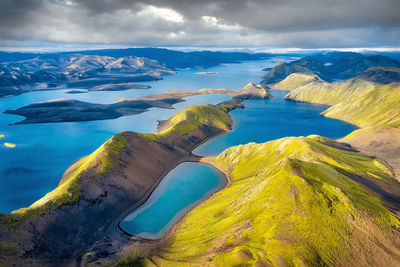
(113, 180)
(66, 110)
(292, 201)
(102, 70)
(366, 103)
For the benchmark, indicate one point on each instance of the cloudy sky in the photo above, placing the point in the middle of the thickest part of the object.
(200, 23)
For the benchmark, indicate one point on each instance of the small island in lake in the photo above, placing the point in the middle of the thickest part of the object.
(206, 72)
(10, 145)
(199, 133)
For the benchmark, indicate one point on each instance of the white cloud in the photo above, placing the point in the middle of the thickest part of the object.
(162, 13)
(215, 22)
(250, 23)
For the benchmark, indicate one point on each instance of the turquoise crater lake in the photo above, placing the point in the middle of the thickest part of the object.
(44, 151)
(262, 120)
(180, 190)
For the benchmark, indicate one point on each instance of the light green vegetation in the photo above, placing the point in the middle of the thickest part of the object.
(10, 145)
(191, 118)
(331, 93)
(69, 191)
(10, 221)
(295, 80)
(361, 102)
(254, 90)
(8, 247)
(106, 157)
(291, 202)
(380, 107)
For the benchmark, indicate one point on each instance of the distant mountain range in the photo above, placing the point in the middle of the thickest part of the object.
(51, 72)
(170, 58)
(24, 72)
(329, 66)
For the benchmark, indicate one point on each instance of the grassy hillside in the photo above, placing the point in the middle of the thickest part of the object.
(69, 190)
(356, 100)
(106, 157)
(331, 93)
(291, 202)
(380, 107)
(381, 142)
(295, 80)
(192, 118)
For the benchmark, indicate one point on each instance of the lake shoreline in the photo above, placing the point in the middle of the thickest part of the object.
(154, 243)
(139, 163)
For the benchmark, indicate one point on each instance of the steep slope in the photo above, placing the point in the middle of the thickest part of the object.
(357, 101)
(291, 202)
(295, 80)
(373, 106)
(380, 75)
(383, 143)
(379, 107)
(328, 66)
(83, 212)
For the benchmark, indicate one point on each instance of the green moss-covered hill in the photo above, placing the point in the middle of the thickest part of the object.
(328, 66)
(295, 80)
(85, 208)
(106, 157)
(291, 202)
(355, 100)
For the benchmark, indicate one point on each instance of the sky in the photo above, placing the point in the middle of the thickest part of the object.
(255, 24)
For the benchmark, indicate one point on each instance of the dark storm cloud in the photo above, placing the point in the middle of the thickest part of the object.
(266, 23)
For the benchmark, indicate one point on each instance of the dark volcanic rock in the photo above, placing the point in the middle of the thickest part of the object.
(68, 110)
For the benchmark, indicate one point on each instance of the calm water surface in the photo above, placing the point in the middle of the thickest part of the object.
(262, 120)
(44, 151)
(267, 119)
(180, 190)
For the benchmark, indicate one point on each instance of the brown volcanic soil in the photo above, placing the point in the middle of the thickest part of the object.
(382, 143)
(64, 235)
(87, 230)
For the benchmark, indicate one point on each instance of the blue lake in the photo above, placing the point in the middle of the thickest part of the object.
(269, 119)
(262, 120)
(180, 190)
(44, 151)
